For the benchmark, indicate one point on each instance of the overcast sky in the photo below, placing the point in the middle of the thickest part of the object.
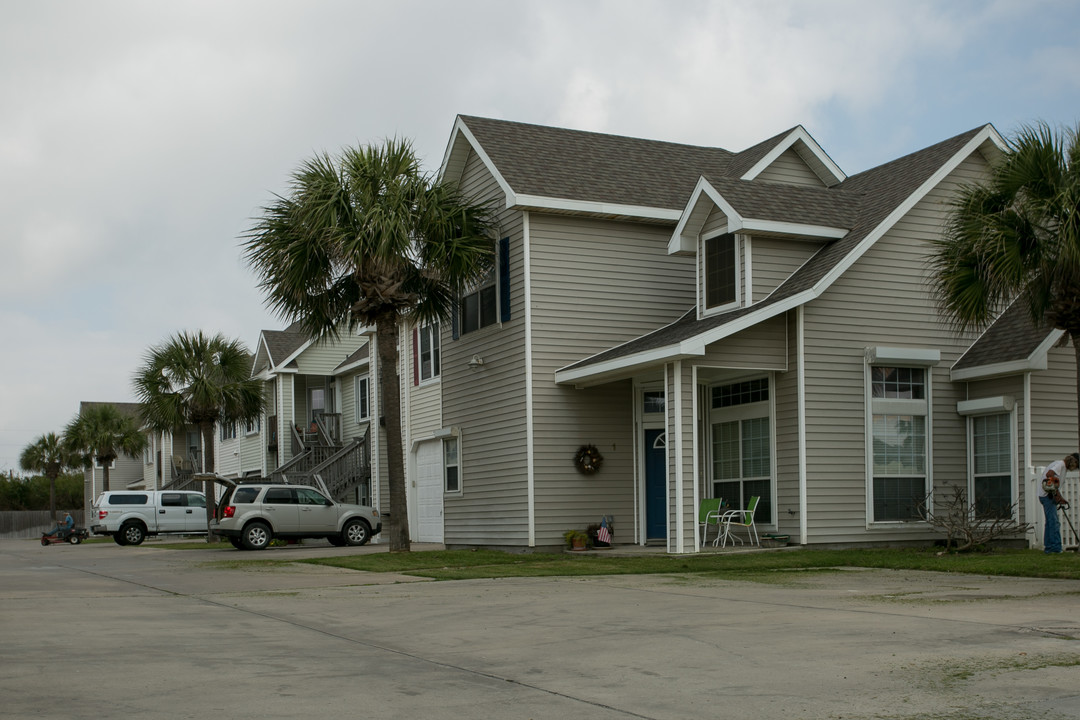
(139, 139)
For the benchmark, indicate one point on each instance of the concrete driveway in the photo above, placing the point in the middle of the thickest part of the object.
(102, 631)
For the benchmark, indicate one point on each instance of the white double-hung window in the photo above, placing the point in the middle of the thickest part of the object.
(899, 421)
(992, 465)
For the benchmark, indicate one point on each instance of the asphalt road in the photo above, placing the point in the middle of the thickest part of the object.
(102, 631)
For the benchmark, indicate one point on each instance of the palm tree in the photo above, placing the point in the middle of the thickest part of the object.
(49, 456)
(366, 238)
(1016, 236)
(101, 433)
(194, 379)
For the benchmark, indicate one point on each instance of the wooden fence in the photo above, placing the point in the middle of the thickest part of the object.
(17, 524)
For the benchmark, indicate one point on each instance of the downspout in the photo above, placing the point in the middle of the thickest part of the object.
(406, 381)
(373, 423)
(530, 457)
(697, 452)
(801, 393)
(1030, 480)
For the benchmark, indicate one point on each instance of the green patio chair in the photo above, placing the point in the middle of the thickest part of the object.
(709, 514)
(740, 519)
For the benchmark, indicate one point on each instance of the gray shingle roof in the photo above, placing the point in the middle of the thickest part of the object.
(1012, 337)
(280, 344)
(588, 166)
(861, 203)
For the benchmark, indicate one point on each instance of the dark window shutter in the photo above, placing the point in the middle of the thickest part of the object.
(454, 311)
(504, 279)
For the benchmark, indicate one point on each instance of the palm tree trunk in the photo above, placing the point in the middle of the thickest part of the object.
(386, 325)
(207, 429)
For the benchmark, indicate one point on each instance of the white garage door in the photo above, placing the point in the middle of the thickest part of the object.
(429, 492)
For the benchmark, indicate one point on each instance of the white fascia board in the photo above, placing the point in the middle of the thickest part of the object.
(982, 372)
(264, 346)
(600, 208)
(461, 130)
(790, 228)
(684, 239)
(750, 319)
(345, 369)
(600, 372)
(987, 133)
(797, 135)
(296, 353)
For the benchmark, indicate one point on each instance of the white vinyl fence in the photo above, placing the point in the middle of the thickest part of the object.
(1070, 488)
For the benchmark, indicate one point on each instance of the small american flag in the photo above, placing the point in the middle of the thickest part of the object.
(603, 534)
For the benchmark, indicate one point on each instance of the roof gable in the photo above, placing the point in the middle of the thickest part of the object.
(808, 150)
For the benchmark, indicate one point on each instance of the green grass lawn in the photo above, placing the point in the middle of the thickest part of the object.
(465, 564)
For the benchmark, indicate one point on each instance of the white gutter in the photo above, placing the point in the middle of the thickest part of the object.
(530, 456)
(1029, 481)
(801, 394)
(697, 453)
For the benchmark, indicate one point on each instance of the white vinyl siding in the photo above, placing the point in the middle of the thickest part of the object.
(488, 403)
(883, 299)
(622, 284)
(774, 260)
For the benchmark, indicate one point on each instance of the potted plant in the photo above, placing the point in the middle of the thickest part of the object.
(593, 532)
(576, 539)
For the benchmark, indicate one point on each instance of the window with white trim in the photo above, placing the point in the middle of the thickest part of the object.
(252, 427)
(362, 390)
(992, 466)
(900, 411)
(451, 465)
(721, 271)
(427, 351)
(741, 445)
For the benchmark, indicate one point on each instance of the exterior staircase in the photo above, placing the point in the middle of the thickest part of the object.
(321, 459)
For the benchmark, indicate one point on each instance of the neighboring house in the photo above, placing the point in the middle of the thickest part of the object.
(313, 416)
(125, 473)
(322, 416)
(719, 324)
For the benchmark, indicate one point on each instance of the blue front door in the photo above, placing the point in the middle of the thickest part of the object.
(655, 484)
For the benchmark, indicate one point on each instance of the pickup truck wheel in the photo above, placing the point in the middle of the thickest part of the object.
(336, 540)
(133, 533)
(118, 538)
(257, 536)
(237, 543)
(356, 532)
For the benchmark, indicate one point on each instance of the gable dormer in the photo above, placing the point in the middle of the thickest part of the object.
(795, 159)
(748, 237)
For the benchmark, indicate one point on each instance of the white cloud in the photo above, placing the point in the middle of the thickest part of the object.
(137, 140)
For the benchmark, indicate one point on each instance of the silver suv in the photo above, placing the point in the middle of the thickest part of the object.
(253, 515)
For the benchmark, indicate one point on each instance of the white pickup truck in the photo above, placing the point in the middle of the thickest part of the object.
(130, 515)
